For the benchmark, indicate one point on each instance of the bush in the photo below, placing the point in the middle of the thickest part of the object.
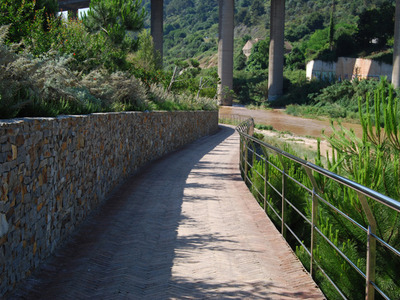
(372, 161)
(297, 89)
(22, 16)
(339, 100)
(117, 89)
(46, 86)
(162, 100)
(258, 59)
(250, 87)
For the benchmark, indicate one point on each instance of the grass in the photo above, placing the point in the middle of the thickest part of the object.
(232, 119)
(258, 106)
(264, 127)
(326, 112)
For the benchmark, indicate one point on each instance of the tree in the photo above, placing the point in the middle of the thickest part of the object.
(257, 9)
(50, 6)
(114, 18)
(344, 37)
(245, 3)
(332, 26)
(242, 16)
(377, 23)
(145, 56)
(317, 42)
(20, 15)
(295, 59)
(239, 61)
(258, 59)
(176, 6)
(314, 21)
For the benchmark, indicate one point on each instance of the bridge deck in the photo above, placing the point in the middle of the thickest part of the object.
(185, 228)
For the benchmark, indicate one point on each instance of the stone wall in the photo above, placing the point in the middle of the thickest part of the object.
(54, 171)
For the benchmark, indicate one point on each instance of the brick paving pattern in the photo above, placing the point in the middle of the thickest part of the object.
(186, 227)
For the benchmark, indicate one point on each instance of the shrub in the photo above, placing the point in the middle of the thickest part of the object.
(372, 161)
(339, 100)
(297, 89)
(145, 57)
(258, 59)
(250, 86)
(117, 89)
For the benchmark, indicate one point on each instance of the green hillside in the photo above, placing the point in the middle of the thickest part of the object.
(324, 29)
(191, 26)
(113, 39)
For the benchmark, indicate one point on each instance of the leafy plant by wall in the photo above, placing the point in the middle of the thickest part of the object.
(47, 86)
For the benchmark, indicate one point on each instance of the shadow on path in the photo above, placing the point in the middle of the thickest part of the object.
(128, 246)
(185, 227)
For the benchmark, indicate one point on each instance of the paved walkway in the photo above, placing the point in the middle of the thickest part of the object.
(185, 228)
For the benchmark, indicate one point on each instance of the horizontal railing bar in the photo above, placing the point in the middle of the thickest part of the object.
(347, 182)
(250, 150)
(275, 212)
(397, 252)
(330, 280)
(299, 183)
(298, 211)
(271, 185)
(341, 213)
(379, 291)
(297, 238)
(271, 164)
(248, 163)
(251, 146)
(340, 252)
(276, 191)
(259, 156)
(248, 178)
(258, 192)
(259, 174)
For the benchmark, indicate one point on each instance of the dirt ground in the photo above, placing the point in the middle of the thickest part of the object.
(306, 143)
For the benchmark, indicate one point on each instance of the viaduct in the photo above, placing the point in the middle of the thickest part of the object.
(225, 43)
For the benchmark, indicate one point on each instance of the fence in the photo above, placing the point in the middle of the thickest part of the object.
(232, 119)
(254, 152)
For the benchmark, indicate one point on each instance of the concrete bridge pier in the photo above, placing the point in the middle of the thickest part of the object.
(276, 49)
(157, 22)
(225, 51)
(396, 48)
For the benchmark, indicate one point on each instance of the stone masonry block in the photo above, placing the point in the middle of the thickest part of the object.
(54, 171)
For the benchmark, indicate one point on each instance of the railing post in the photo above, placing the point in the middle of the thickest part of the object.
(371, 248)
(314, 217)
(371, 264)
(246, 156)
(314, 222)
(283, 228)
(266, 173)
(317, 194)
(253, 156)
(241, 153)
(266, 176)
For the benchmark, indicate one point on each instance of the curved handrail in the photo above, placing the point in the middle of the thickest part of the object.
(354, 185)
(245, 130)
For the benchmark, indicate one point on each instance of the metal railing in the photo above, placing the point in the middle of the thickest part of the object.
(232, 119)
(254, 151)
